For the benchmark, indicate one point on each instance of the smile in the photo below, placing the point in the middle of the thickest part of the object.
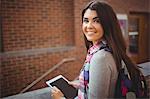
(90, 33)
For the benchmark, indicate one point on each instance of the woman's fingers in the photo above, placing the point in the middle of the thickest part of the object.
(74, 83)
(55, 89)
(56, 93)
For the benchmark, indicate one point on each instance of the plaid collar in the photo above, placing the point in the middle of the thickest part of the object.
(98, 46)
(93, 49)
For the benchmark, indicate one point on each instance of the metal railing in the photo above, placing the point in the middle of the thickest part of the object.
(46, 73)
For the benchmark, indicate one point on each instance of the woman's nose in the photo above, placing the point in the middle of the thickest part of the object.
(89, 25)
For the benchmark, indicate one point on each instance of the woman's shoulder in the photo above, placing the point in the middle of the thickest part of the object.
(103, 58)
(102, 54)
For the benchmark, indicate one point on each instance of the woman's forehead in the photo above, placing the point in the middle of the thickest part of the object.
(90, 13)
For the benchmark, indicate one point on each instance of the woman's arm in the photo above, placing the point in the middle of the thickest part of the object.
(99, 76)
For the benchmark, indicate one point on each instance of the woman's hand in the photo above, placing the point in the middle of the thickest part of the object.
(74, 83)
(56, 93)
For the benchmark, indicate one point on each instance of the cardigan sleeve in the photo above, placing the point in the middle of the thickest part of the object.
(100, 75)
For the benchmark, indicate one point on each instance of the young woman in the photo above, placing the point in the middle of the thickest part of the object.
(106, 50)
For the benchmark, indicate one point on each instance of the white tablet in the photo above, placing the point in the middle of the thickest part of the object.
(62, 83)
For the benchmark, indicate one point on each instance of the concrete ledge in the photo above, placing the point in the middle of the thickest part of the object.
(36, 51)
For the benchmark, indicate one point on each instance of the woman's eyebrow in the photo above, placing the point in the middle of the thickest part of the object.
(95, 18)
(85, 18)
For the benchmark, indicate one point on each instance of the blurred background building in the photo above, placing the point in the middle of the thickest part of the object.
(38, 35)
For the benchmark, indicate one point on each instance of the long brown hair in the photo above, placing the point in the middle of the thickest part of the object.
(112, 35)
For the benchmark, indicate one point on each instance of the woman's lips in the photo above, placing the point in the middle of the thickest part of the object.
(90, 33)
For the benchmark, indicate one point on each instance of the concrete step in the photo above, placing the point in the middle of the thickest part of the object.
(43, 93)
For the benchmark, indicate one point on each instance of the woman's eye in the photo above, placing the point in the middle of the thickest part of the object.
(97, 21)
(85, 20)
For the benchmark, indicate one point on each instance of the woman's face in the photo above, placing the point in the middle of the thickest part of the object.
(91, 26)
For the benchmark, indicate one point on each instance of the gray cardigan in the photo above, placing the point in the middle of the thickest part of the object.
(102, 75)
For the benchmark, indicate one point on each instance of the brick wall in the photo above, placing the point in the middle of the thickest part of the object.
(37, 34)
(35, 24)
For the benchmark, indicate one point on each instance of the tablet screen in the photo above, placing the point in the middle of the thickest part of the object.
(68, 90)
